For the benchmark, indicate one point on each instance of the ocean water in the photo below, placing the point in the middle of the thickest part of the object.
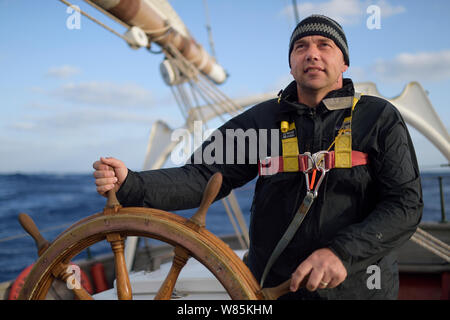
(56, 201)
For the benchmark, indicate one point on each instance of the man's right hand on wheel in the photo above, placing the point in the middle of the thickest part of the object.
(109, 174)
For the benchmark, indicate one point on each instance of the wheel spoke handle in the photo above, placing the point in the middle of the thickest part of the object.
(30, 227)
(179, 261)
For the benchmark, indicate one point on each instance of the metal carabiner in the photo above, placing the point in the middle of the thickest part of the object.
(308, 169)
(318, 159)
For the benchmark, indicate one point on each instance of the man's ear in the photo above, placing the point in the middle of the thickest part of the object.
(344, 68)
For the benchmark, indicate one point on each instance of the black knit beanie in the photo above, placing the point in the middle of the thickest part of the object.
(323, 26)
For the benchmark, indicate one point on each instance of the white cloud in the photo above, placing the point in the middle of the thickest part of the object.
(63, 72)
(105, 94)
(388, 10)
(23, 125)
(423, 66)
(81, 119)
(346, 12)
(356, 74)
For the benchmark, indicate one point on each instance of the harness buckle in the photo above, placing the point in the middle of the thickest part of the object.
(317, 161)
(321, 161)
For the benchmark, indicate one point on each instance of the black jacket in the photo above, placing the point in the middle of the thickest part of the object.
(362, 213)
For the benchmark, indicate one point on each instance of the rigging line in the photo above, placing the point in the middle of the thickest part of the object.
(180, 106)
(181, 58)
(234, 106)
(212, 103)
(221, 104)
(430, 248)
(184, 99)
(213, 91)
(178, 66)
(209, 29)
(177, 99)
(185, 66)
(239, 216)
(106, 13)
(234, 224)
(434, 239)
(182, 94)
(429, 242)
(148, 32)
(93, 19)
(191, 71)
(224, 104)
(432, 245)
(186, 72)
(216, 94)
(198, 110)
(22, 235)
(295, 8)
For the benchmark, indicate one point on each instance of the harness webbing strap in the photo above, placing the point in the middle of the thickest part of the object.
(343, 141)
(289, 145)
(288, 234)
(273, 165)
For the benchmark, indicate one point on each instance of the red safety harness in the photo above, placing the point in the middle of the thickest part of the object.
(323, 161)
(274, 165)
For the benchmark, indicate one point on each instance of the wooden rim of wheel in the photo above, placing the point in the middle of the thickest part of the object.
(201, 244)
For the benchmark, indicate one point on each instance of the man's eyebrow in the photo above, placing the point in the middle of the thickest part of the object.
(300, 41)
(324, 40)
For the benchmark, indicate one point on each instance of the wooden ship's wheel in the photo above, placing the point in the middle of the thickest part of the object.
(189, 237)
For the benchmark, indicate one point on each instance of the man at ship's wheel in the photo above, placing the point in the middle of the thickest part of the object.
(334, 199)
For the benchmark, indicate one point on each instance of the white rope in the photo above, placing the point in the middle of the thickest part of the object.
(233, 223)
(434, 239)
(430, 248)
(240, 217)
(106, 13)
(22, 235)
(95, 20)
(209, 29)
(432, 244)
(178, 101)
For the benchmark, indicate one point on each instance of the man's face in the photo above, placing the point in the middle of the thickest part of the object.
(317, 64)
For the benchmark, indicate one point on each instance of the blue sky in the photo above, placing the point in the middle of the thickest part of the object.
(68, 97)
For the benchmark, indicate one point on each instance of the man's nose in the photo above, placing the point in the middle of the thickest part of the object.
(312, 53)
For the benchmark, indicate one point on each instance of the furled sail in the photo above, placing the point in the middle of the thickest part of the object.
(158, 20)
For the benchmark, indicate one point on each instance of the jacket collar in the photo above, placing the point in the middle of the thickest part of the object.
(335, 100)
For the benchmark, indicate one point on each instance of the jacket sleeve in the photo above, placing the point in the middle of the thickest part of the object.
(182, 187)
(398, 210)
